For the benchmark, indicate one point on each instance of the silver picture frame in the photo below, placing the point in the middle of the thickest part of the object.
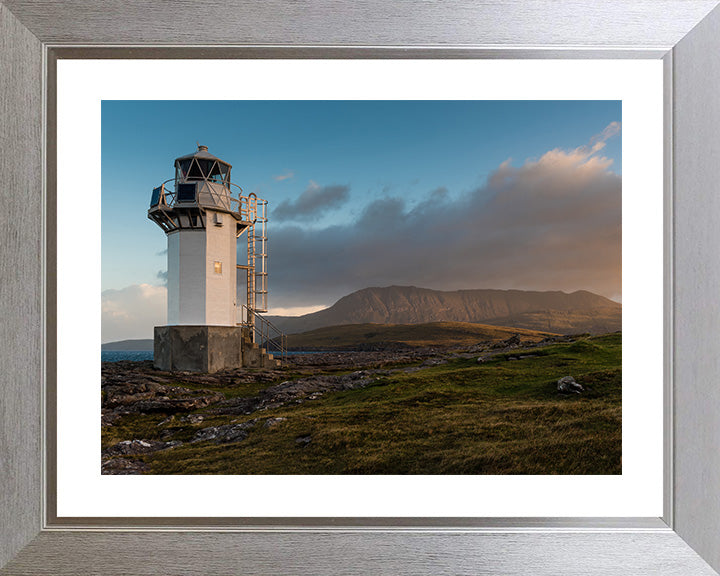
(685, 34)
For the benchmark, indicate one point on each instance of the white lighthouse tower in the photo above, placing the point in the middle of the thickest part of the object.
(208, 329)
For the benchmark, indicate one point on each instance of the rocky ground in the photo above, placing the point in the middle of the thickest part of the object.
(185, 400)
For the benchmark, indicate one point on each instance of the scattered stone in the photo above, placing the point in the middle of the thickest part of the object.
(558, 338)
(297, 391)
(224, 434)
(479, 347)
(134, 392)
(270, 422)
(130, 388)
(123, 466)
(568, 385)
(133, 447)
(109, 417)
(434, 362)
(193, 418)
(512, 341)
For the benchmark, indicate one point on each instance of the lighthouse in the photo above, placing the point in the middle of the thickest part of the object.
(214, 302)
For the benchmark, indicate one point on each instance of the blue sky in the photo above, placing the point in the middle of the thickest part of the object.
(372, 163)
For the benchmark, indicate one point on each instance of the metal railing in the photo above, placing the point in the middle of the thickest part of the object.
(241, 205)
(265, 333)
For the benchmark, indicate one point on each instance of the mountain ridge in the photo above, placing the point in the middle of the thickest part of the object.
(549, 311)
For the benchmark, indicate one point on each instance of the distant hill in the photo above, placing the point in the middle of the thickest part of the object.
(128, 346)
(556, 312)
(362, 336)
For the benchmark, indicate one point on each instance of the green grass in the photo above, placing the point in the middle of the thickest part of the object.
(500, 417)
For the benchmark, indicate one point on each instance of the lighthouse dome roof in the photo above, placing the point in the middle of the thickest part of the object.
(202, 154)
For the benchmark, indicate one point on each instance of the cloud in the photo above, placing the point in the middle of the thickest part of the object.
(131, 312)
(597, 142)
(296, 311)
(549, 224)
(286, 176)
(313, 202)
(163, 275)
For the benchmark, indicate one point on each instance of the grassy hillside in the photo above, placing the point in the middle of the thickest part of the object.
(502, 416)
(353, 336)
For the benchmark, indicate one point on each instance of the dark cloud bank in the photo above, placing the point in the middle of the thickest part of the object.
(551, 224)
(312, 203)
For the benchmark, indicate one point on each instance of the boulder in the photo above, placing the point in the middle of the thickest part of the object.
(568, 385)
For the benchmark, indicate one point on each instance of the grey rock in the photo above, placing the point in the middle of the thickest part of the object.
(434, 362)
(568, 385)
(133, 447)
(270, 422)
(297, 391)
(224, 434)
(123, 466)
(512, 341)
(193, 418)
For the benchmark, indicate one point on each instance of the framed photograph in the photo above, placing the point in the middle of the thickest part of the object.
(603, 131)
(429, 398)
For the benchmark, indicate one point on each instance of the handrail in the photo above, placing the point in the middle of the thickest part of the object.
(169, 194)
(264, 332)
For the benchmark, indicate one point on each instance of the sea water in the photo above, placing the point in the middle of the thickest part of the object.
(119, 355)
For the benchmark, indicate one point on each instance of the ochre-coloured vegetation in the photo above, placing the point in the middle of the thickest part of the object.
(352, 336)
(501, 416)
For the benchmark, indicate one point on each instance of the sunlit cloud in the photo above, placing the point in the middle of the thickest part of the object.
(549, 224)
(286, 176)
(295, 311)
(131, 312)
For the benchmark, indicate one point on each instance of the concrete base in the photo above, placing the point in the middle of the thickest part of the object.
(198, 348)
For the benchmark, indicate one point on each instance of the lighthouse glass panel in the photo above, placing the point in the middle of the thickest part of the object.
(224, 172)
(184, 166)
(156, 196)
(194, 171)
(186, 192)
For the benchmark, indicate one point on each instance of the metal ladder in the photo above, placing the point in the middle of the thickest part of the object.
(255, 212)
(257, 257)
